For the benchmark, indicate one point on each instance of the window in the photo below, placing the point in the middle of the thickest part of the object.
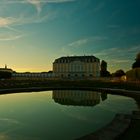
(83, 75)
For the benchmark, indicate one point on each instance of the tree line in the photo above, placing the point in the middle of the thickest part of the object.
(120, 72)
(5, 74)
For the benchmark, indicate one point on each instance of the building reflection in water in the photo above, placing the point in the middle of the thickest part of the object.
(78, 98)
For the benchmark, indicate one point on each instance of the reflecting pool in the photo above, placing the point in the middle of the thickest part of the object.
(58, 115)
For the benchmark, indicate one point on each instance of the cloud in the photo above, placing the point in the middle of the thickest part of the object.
(135, 48)
(114, 61)
(12, 33)
(8, 37)
(82, 43)
(85, 41)
(23, 18)
(75, 44)
(119, 51)
(7, 21)
(36, 3)
(59, 1)
(10, 22)
(20, 18)
(78, 43)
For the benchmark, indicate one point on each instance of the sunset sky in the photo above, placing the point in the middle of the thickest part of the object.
(33, 33)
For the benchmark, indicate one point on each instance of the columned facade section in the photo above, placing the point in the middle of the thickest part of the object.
(77, 67)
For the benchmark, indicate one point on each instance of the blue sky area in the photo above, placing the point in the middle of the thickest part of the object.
(33, 33)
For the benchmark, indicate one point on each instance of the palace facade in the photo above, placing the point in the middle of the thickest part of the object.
(77, 67)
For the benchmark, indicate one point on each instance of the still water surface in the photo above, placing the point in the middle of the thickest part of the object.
(58, 115)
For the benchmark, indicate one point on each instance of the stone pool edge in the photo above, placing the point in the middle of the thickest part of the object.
(37, 89)
(114, 129)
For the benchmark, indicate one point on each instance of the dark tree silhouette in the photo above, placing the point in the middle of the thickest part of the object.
(119, 73)
(104, 72)
(136, 64)
(103, 66)
(5, 75)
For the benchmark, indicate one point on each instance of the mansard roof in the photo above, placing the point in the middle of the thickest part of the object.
(68, 59)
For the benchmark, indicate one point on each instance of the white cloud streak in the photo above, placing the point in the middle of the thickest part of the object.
(117, 51)
(78, 43)
(82, 43)
(9, 22)
(85, 41)
(9, 37)
(13, 33)
(36, 3)
(119, 61)
(59, 1)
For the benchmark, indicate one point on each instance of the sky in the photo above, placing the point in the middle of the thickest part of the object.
(33, 33)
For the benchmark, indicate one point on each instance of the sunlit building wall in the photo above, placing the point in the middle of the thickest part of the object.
(77, 67)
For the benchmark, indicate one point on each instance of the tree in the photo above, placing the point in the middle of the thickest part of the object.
(5, 75)
(103, 66)
(136, 64)
(119, 73)
(104, 72)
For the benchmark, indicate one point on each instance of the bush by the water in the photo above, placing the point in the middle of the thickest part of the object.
(5, 75)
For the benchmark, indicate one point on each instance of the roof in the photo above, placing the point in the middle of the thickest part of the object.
(68, 59)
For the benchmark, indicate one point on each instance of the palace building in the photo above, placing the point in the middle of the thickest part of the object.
(77, 67)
